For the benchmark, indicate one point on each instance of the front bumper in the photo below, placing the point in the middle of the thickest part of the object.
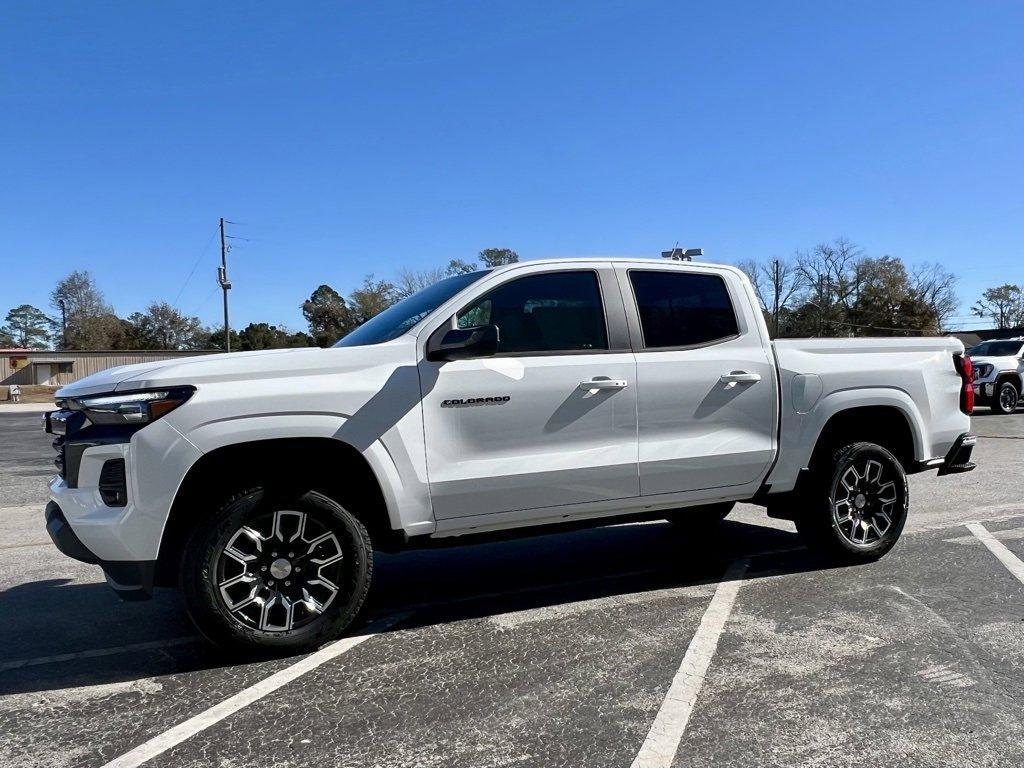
(111, 501)
(984, 390)
(130, 579)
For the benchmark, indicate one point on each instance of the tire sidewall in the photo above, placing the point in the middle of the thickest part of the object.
(997, 402)
(856, 454)
(817, 524)
(202, 595)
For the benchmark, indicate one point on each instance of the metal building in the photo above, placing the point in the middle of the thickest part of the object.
(28, 367)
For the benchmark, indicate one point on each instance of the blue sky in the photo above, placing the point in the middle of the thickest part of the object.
(350, 138)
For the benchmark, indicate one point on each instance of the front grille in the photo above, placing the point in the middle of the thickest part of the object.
(58, 446)
(112, 483)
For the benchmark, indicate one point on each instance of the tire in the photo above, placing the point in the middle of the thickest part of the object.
(1006, 398)
(703, 517)
(242, 573)
(855, 506)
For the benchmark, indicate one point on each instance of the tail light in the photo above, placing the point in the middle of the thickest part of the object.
(965, 368)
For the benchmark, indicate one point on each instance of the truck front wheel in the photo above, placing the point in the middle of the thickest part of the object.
(272, 573)
(855, 506)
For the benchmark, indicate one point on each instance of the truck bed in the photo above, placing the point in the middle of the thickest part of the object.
(820, 377)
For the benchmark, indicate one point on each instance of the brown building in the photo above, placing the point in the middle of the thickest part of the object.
(31, 367)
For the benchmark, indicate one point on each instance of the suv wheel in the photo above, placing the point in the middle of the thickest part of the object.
(856, 505)
(1006, 398)
(278, 574)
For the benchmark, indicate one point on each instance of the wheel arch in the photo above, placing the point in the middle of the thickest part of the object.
(886, 425)
(1014, 377)
(328, 465)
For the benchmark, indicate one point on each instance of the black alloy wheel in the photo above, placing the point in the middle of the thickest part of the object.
(275, 573)
(856, 505)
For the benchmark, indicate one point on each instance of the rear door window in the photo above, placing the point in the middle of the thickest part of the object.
(681, 309)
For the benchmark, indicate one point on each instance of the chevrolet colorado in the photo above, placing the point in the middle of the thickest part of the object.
(573, 392)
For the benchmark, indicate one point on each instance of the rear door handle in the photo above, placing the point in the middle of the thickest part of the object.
(604, 384)
(740, 377)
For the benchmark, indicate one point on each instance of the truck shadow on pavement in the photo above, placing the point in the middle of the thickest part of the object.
(44, 619)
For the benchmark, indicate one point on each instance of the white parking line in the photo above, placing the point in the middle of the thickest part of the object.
(179, 733)
(996, 547)
(96, 652)
(659, 748)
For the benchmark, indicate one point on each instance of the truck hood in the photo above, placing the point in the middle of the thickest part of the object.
(240, 366)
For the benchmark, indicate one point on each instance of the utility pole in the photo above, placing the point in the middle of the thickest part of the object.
(856, 302)
(225, 284)
(778, 292)
(821, 305)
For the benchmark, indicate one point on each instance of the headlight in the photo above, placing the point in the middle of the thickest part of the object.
(131, 408)
(982, 370)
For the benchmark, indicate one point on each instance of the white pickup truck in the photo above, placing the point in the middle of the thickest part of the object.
(999, 374)
(568, 392)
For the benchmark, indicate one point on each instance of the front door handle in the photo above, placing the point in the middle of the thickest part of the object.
(740, 377)
(604, 384)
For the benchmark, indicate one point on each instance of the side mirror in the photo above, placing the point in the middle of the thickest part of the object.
(463, 343)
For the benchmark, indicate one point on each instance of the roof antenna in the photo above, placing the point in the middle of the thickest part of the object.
(682, 254)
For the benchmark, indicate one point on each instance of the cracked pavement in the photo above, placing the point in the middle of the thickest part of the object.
(553, 651)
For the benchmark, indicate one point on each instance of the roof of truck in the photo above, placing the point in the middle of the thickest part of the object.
(642, 260)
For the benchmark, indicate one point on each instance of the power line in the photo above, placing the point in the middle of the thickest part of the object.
(876, 327)
(202, 305)
(194, 267)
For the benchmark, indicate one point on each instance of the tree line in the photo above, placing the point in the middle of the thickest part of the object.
(836, 289)
(81, 318)
(833, 289)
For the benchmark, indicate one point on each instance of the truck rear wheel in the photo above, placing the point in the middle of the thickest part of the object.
(280, 574)
(856, 504)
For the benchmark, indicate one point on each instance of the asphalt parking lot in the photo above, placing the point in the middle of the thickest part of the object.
(590, 648)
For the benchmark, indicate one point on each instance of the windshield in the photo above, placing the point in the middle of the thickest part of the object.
(400, 317)
(996, 348)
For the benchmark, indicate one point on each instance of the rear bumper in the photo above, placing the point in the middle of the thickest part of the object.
(130, 579)
(958, 459)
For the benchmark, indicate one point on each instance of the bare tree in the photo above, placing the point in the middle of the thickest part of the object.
(777, 284)
(410, 282)
(934, 285)
(752, 269)
(831, 274)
